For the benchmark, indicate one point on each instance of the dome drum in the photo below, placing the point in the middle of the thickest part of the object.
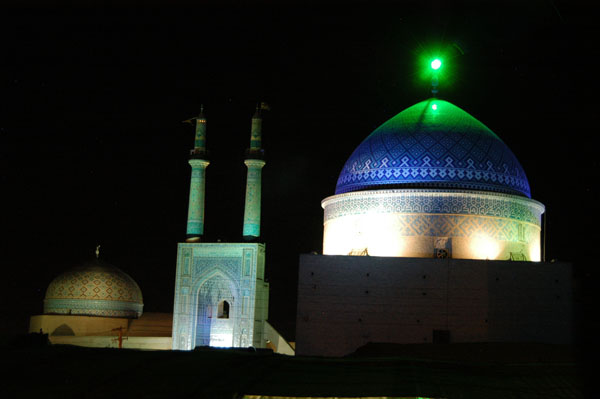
(418, 222)
(86, 307)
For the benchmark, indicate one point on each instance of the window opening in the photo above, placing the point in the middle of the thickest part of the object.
(223, 310)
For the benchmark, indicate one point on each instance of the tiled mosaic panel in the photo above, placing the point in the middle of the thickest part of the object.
(93, 308)
(434, 202)
(206, 275)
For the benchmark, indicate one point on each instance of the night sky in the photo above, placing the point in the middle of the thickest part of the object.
(93, 148)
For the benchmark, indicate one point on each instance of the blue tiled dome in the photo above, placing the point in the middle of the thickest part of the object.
(433, 144)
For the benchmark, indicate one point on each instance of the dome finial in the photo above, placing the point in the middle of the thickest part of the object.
(97, 251)
(436, 64)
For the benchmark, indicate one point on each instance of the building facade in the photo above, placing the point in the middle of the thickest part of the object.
(345, 302)
(431, 236)
(433, 181)
(221, 298)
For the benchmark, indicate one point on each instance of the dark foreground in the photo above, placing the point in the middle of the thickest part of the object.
(437, 371)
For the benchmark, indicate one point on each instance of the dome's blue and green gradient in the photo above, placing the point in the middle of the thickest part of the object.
(433, 144)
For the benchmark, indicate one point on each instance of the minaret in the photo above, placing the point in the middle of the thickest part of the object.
(254, 161)
(199, 162)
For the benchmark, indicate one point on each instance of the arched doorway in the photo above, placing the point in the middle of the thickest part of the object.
(215, 312)
(223, 310)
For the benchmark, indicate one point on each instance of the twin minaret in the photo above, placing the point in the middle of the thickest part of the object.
(255, 162)
(199, 161)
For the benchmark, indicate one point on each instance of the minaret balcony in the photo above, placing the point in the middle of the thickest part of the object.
(254, 153)
(198, 153)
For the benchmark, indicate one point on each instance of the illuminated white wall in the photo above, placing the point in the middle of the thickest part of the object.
(413, 223)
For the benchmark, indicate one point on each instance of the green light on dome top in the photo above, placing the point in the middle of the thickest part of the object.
(436, 64)
(434, 107)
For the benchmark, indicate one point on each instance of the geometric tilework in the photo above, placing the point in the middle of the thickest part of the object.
(434, 201)
(253, 198)
(353, 220)
(464, 226)
(208, 274)
(433, 144)
(195, 221)
(95, 288)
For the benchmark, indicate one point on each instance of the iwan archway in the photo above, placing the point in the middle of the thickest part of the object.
(216, 312)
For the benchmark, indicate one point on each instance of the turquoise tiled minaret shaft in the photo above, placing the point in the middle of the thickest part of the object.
(253, 194)
(195, 222)
(198, 162)
(255, 163)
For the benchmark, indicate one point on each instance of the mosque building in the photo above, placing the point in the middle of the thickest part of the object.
(98, 305)
(433, 181)
(221, 297)
(431, 236)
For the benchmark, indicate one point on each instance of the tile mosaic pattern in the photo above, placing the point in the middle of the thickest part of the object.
(444, 213)
(420, 201)
(443, 147)
(94, 289)
(253, 198)
(195, 221)
(208, 273)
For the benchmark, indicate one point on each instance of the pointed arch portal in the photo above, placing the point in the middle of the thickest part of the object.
(215, 311)
(221, 298)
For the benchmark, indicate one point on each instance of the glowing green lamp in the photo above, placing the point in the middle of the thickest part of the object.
(436, 64)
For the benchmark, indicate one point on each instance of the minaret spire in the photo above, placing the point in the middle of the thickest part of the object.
(256, 131)
(200, 139)
(254, 161)
(435, 66)
(198, 161)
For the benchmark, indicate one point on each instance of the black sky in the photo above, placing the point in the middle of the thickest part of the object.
(93, 149)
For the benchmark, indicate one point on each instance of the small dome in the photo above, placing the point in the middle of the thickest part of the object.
(433, 144)
(94, 289)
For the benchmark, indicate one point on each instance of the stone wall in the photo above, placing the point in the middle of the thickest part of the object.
(345, 302)
(61, 325)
